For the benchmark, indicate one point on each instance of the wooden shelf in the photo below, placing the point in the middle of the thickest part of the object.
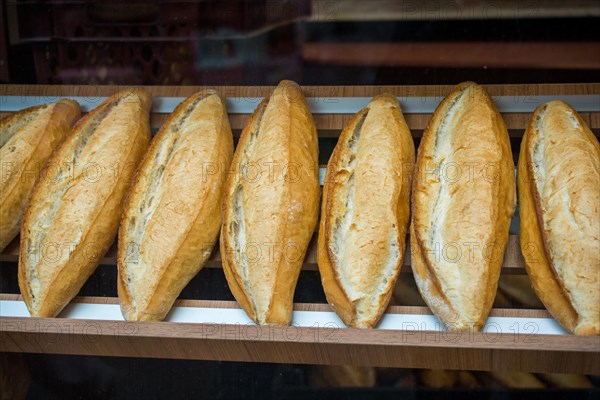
(548, 55)
(382, 10)
(79, 331)
(305, 345)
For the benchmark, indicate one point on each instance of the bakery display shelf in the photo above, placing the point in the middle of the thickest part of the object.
(407, 336)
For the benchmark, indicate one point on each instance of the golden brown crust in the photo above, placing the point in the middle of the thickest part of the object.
(172, 214)
(461, 210)
(562, 258)
(270, 205)
(28, 138)
(365, 212)
(336, 296)
(227, 246)
(73, 214)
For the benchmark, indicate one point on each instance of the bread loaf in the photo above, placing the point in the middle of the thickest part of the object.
(27, 138)
(172, 215)
(73, 214)
(462, 202)
(365, 212)
(271, 205)
(559, 198)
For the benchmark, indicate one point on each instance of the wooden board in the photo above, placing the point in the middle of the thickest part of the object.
(547, 55)
(394, 10)
(304, 345)
(316, 345)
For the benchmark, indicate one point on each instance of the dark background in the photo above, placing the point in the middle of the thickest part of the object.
(259, 42)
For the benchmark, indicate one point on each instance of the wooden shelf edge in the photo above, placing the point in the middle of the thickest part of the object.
(302, 345)
(309, 91)
(406, 349)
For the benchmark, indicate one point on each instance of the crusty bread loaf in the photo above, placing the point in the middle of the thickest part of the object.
(559, 198)
(172, 215)
(365, 212)
(27, 138)
(271, 205)
(462, 202)
(73, 214)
